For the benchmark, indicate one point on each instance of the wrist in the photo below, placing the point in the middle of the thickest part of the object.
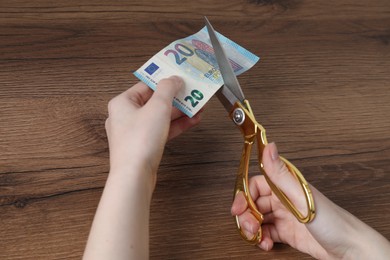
(133, 162)
(133, 176)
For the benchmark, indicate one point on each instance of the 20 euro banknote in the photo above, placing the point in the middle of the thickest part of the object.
(192, 58)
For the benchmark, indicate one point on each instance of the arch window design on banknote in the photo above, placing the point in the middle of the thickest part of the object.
(192, 58)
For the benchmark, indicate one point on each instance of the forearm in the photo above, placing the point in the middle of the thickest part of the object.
(370, 243)
(353, 240)
(120, 228)
(364, 241)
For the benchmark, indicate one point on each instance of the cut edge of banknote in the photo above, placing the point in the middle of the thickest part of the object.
(146, 71)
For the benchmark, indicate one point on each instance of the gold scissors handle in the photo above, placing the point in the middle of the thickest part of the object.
(253, 131)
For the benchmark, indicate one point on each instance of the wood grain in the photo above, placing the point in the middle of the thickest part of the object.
(321, 90)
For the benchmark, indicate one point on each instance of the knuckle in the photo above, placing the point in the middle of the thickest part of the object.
(112, 105)
(107, 123)
(282, 169)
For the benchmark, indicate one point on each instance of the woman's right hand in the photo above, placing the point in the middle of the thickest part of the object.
(333, 234)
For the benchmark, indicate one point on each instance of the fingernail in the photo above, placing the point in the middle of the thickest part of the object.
(274, 152)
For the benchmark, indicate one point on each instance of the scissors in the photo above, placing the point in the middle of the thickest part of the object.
(239, 109)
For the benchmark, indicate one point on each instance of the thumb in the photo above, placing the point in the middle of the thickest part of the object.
(166, 90)
(280, 175)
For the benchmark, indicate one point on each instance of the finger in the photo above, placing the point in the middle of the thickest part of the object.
(266, 241)
(258, 186)
(260, 193)
(182, 124)
(176, 113)
(239, 204)
(279, 174)
(167, 88)
(249, 224)
(139, 94)
(264, 204)
(163, 96)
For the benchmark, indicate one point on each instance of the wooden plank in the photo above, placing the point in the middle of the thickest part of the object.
(321, 91)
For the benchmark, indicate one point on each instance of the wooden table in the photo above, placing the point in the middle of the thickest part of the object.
(322, 90)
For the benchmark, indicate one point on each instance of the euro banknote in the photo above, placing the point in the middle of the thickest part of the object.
(192, 58)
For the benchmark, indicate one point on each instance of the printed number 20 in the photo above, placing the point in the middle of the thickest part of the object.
(183, 50)
(195, 95)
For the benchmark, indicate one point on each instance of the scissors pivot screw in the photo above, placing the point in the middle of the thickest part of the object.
(238, 116)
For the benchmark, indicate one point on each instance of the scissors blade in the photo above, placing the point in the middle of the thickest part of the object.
(231, 89)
